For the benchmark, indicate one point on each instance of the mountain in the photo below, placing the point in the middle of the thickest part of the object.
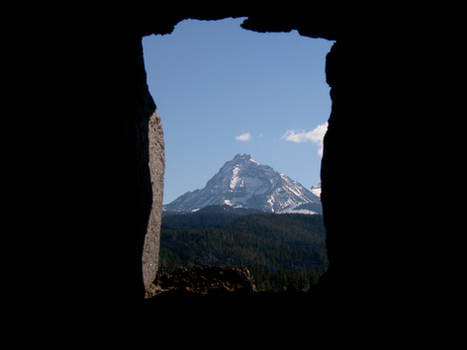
(316, 190)
(244, 183)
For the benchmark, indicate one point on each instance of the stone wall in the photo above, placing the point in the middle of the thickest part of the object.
(372, 252)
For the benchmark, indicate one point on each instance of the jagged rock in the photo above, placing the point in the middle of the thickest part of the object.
(203, 280)
(150, 258)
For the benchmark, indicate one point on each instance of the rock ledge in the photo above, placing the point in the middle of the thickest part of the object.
(204, 280)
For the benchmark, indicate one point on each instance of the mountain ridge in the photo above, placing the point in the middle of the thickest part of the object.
(245, 183)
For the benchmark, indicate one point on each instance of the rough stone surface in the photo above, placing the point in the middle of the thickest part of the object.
(156, 168)
(140, 146)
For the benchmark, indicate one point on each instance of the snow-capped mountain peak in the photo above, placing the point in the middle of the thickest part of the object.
(244, 182)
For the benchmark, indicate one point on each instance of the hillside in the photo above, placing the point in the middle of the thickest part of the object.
(285, 249)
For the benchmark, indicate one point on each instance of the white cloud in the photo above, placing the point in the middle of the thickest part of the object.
(316, 136)
(243, 137)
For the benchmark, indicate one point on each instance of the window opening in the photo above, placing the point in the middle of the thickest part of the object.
(244, 115)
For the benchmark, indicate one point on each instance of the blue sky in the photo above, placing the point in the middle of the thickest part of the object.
(222, 90)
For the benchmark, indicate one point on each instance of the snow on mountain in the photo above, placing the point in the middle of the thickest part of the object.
(316, 190)
(244, 183)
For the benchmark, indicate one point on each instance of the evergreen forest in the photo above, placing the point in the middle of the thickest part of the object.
(282, 251)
